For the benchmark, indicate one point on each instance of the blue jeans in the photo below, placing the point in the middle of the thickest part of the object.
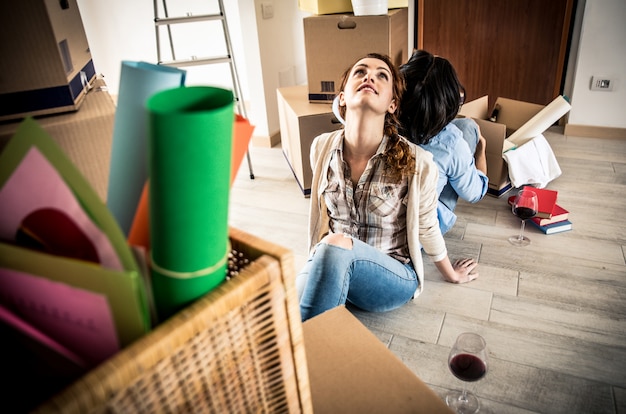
(362, 276)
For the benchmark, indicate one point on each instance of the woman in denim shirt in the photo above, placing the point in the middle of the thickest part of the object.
(428, 113)
(373, 204)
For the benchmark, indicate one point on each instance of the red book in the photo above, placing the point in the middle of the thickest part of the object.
(546, 200)
(558, 214)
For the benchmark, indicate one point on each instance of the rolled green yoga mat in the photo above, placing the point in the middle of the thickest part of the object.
(190, 130)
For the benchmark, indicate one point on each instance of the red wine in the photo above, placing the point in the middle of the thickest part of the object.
(524, 212)
(467, 367)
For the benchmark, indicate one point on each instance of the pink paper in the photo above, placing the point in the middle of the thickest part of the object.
(78, 319)
(35, 184)
(23, 326)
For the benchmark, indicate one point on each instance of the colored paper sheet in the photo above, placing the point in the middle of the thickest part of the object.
(77, 318)
(35, 187)
(129, 163)
(139, 234)
(190, 170)
(30, 135)
(30, 331)
(123, 290)
(241, 140)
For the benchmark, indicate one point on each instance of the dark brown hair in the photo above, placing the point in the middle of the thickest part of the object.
(432, 97)
(399, 159)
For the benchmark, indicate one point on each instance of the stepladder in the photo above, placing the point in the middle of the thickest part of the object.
(194, 34)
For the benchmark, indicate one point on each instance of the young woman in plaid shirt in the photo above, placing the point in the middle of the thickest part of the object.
(373, 204)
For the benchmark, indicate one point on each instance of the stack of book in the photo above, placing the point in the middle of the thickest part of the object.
(551, 217)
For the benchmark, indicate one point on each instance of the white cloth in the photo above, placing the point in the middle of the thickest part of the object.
(532, 163)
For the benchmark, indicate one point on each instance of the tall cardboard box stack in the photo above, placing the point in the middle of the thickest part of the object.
(333, 42)
(46, 62)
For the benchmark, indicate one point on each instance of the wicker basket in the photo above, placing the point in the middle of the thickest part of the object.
(239, 349)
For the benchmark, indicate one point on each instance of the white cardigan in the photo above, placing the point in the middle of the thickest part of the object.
(422, 223)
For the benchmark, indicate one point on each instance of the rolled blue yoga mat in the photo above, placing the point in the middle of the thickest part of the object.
(129, 159)
(190, 151)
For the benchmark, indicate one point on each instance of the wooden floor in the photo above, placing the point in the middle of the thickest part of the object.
(553, 313)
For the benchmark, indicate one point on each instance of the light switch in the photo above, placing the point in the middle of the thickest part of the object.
(267, 10)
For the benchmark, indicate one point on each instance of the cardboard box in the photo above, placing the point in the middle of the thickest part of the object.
(300, 122)
(85, 136)
(517, 122)
(334, 42)
(351, 371)
(339, 6)
(46, 61)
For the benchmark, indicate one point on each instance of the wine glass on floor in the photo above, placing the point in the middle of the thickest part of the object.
(524, 207)
(467, 362)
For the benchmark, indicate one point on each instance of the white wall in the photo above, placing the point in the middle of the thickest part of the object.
(601, 52)
(270, 52)
(118, 30)
(281, 51)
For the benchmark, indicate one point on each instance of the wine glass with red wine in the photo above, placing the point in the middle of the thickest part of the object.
(524, 207)
(467, 362)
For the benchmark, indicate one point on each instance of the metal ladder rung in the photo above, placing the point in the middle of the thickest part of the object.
(197, 61)
(161, 21)
(194, 61)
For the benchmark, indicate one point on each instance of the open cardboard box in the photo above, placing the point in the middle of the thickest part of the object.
(352, 371)
(517, 123)
(300, 122)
